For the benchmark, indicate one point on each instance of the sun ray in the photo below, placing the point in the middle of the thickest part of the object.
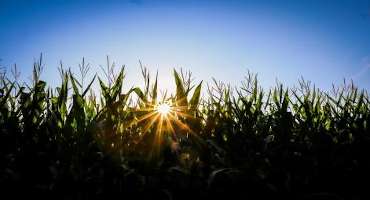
(151, 122)
(167, 121)
(146, 116)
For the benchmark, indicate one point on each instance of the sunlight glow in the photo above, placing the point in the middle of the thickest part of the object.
(164, 109)
(161, 120)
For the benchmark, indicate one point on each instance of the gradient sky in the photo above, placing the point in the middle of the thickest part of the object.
(324, 40)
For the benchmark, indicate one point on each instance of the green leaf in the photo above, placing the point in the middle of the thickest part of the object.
(105, 90)
(63, 91)
(194, 101)
(74, 86)
(140, 94)
(88, 87)
(180, 91)
(154, 92)
(117, 87)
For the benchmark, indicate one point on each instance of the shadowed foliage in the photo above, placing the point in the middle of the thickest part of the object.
(246, 142)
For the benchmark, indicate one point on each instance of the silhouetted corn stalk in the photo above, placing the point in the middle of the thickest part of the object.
(297, 140)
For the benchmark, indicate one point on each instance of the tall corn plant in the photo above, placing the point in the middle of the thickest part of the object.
(285, 138)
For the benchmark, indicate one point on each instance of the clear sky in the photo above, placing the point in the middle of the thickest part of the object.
(323, 40)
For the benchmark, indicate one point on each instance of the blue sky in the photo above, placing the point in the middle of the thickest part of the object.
(324, 41)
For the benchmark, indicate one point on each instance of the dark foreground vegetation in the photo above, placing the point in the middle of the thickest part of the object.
(243, 143)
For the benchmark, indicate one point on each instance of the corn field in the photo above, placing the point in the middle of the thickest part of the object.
(212, 141)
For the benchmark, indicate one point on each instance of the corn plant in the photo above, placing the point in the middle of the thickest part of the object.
(247, 140)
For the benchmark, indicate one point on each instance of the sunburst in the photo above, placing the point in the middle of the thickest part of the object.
(165, 117)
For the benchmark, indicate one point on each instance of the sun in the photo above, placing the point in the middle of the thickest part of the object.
(163, 109)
